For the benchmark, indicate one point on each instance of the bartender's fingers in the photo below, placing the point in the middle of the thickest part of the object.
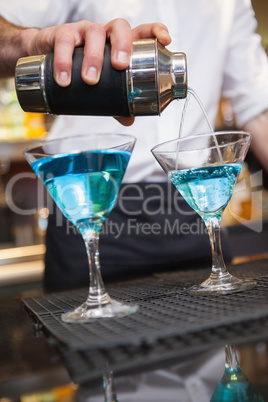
(66, 38)
(155, 30)
(62, 40)
(95, 37)
(120, 35)
(125, 121)
(63, 51)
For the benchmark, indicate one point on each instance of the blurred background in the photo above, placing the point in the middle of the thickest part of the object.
(24, 211)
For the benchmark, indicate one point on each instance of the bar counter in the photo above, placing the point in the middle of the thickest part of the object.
(38, 351)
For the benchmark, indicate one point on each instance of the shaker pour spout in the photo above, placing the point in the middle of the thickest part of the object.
(172, 76)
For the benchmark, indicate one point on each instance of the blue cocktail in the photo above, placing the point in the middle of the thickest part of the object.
(204, 168)
(207, 189)
(84, 185)
(83, 175)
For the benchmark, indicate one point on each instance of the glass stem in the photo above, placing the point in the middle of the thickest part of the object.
(219, 270)
(97, 293)
(231, 360)
(108, 386)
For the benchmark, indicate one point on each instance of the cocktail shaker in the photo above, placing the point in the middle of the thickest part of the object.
(153, 79)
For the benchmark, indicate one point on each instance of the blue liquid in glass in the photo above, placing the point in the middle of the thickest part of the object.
(208, 189)
(84, 185)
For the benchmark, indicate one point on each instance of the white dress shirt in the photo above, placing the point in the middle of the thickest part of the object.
(224, 56)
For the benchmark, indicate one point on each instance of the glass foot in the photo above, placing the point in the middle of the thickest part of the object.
(85, 313)
(215, 286)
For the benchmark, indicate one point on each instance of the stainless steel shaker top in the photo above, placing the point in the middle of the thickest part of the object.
(153, 79)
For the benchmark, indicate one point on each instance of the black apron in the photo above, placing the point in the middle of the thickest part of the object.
(150, 229)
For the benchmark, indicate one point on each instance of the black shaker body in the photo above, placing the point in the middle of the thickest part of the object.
(153, 79)
(107, 98)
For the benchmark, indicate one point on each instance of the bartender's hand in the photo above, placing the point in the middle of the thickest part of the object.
(19, 42)
(64, 38)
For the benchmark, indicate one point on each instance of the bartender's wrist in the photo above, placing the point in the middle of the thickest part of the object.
(14, 43)
(26, 41)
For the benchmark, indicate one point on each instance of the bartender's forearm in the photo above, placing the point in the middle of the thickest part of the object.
(258, 127)
(14, 43)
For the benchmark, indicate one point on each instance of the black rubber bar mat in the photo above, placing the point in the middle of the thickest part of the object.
(87, 366)
(165, 310)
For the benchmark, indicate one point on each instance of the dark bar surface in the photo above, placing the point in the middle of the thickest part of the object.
(169, 326)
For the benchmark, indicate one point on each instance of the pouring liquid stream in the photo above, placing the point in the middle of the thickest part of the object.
(190, 92)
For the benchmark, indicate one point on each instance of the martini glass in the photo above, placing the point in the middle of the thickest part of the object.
(204, 169)
(234, 385)
(83, 175)
(108, 386)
